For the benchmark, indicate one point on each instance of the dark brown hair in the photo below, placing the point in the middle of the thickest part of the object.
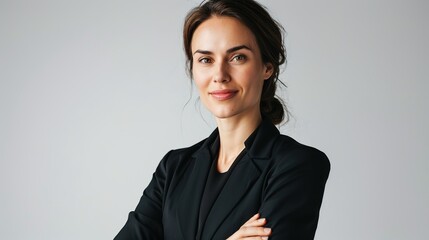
(269, 37)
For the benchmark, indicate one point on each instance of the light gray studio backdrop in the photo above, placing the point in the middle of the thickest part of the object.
(94, 93)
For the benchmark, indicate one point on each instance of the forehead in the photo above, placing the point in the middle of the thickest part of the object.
(221, 33)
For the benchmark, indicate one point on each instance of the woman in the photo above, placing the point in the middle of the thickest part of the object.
(246, 180)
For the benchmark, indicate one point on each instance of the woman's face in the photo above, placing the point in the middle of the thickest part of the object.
(227, 68)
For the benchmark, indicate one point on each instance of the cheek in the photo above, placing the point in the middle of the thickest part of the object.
(197, 81)
(200, 80)
(199, 86)
(252, 80)
(255, 87)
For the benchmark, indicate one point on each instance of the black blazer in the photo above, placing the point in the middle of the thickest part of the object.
(278, 177)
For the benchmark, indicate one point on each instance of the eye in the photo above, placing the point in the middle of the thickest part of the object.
(239, 58)
(204, 60)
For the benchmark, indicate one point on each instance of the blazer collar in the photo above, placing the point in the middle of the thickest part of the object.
(258, 146)
(260, 143)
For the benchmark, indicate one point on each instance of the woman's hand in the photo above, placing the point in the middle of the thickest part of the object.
(253, 229)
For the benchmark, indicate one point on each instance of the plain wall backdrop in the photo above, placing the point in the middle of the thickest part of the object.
(89, 90)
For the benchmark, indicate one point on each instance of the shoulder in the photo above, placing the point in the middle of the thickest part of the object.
(287, 153)
(179, 156)
(182, 152)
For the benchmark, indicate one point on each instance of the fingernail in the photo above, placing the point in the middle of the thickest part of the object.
(261, 219)
(267, 230)
(264, 238)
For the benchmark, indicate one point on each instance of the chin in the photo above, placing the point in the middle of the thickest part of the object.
(229, 112)
(223, 115)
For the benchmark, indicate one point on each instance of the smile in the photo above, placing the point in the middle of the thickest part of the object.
(222, 95)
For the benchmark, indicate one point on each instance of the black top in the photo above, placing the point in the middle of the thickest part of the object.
(214, 184)
(216, 180)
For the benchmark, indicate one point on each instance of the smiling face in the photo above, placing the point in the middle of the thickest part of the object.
(227, 68)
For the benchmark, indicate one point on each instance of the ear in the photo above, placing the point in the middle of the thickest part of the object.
(269, 69)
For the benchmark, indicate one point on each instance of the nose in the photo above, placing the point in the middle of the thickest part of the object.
(221, 73)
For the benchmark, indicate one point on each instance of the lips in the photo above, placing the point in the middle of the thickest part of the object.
(223, 94)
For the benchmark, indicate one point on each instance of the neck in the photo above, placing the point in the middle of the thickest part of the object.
(232, 134)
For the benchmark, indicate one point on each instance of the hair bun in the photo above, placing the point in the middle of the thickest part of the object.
(273, 110)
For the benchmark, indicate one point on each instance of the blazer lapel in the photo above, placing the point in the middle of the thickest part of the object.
(238, 184)
(246, 172)
(193, 187)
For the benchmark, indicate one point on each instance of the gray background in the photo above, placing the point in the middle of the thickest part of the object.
(93, 94)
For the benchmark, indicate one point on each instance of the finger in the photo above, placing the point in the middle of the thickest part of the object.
(256, 223)
(250, 238)
(252, 222)
(249, 232)
(253, 218)
(254, 238)
(253, 232)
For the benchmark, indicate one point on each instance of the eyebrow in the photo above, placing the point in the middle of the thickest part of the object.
(233, 49)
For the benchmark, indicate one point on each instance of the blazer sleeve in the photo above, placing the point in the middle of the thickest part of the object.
(145, 222)
(293, 194)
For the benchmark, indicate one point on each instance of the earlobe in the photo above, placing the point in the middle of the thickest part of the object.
(268, 71)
